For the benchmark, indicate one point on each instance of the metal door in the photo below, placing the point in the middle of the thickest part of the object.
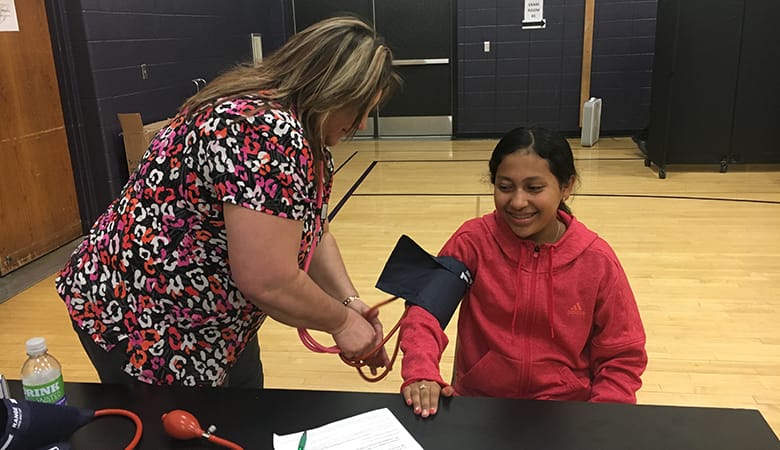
(420, 34)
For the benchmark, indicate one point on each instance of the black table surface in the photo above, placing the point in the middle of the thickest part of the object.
(251, 417)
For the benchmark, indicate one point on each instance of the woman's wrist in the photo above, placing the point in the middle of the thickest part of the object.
(343, 324)
(350, 299)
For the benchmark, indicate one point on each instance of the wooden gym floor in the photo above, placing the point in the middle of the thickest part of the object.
(701, 250)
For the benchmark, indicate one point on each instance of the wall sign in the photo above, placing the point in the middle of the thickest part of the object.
(534, 14)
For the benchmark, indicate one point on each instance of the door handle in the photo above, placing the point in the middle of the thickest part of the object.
(420, 62)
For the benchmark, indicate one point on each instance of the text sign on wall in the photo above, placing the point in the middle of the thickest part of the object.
(534, 14)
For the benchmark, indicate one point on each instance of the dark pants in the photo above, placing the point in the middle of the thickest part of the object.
(247, 372)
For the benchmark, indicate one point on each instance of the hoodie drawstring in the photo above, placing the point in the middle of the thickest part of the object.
(518, 295)
(550, 313)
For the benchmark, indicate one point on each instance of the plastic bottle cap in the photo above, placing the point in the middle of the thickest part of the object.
(36, 345)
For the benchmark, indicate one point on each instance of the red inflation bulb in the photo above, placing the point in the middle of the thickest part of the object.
(181, 425)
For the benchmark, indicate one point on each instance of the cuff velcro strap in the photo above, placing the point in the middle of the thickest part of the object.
(434, 283)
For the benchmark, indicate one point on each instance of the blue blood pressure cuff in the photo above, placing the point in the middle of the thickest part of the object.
(434, 283)
(28, 425)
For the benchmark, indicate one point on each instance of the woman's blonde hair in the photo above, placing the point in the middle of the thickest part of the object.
(335, 63)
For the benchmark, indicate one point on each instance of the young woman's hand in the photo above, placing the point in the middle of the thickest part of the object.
(356, 336)
(423, 396)
(380, 359)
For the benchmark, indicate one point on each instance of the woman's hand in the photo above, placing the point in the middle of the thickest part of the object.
(380, 358)
(423, 396)
(355, 337)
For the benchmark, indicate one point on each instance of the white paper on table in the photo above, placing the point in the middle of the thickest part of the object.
(377, 430)
(8, 21)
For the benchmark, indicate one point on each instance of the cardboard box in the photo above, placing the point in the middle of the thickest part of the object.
(137, 136)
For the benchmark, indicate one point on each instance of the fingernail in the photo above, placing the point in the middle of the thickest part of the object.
(417, 409)
(433, 410)
(409, 402)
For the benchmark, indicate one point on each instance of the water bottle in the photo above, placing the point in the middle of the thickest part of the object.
(42, 374)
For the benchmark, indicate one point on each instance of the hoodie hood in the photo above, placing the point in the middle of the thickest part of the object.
(575, 240)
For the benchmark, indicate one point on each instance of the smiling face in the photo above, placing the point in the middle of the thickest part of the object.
(340, 122)
(527, 196)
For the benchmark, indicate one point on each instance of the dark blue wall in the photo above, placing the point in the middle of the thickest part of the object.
(534, 75)
(528, 75)
(622, 69)
(178, 40)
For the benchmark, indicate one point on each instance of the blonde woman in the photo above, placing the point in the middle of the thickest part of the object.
(223, 221)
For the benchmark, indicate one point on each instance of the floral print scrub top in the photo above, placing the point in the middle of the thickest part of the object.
(153, 273)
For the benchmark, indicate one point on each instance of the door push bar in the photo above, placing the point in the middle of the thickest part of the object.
(420, 62)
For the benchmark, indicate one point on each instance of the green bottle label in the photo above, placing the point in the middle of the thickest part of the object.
(51, 392)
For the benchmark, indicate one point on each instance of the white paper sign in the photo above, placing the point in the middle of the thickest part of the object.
(8, 20)
(534, 14)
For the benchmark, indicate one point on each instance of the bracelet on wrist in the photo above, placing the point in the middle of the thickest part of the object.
(350, 299)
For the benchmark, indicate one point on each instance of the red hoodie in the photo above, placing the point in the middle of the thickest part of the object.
(553, 321)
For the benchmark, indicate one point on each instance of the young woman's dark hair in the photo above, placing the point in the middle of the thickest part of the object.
(549, 145)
